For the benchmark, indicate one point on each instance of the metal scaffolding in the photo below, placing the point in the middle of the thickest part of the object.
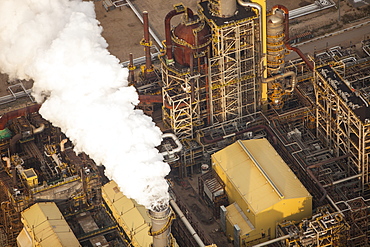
(343, 123)
(323, 229)
(232, 69)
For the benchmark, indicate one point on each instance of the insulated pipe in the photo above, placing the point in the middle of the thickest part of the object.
(254, 128)
(276, 77)
(62, 142)
(7, 160)
(176, 140)
(187, 223)
(259, 8)
(297, 50)
(167, 29)
(39, 129)
(273, 240)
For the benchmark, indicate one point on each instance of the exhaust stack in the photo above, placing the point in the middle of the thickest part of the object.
(161, 226)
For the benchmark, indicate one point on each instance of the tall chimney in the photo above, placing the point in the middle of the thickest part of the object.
(161, 226)
(147, 44)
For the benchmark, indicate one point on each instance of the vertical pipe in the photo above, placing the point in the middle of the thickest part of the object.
(131, 68)
(148, 60)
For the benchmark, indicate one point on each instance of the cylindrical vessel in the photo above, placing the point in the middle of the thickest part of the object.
(275, 43)
(161, 227)
(223, 8)
(191, 40)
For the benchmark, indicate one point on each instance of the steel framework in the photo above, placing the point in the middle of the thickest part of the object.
(232, 70)
(343, 119)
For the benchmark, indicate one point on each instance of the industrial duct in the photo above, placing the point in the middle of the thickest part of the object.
(177, 142)
(280, 76)
(259, 8)
(179, 9)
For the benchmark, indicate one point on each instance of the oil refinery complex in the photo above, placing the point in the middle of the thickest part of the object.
(264, 151)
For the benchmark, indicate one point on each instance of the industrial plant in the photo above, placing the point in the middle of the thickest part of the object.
(264, 150)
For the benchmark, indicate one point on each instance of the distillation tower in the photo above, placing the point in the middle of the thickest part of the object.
(211, 66)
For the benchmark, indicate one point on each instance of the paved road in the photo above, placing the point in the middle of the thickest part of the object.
(345, 39)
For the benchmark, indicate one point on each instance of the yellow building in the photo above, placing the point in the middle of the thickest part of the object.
(262, 191)
(132, 217)
(45, 226)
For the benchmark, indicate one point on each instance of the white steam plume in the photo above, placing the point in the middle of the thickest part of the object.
(59, 45)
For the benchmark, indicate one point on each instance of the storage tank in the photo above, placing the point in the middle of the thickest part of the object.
(275, 42)
(190, 39)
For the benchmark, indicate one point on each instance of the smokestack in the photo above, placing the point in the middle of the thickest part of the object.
(147, 44)
(131, 67)
(161, 226)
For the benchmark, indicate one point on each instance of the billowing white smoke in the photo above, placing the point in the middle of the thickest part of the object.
(59, 45)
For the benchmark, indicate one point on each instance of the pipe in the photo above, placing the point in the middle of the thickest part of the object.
(176, 140)
(259, 8)
(287, 45)
(286, 74)
(342, 180)
(141, 19)
(7, 160)
(325, 193)
(274, 240)
(254, 128)
(328, 161)
(167, 29)
(186, 223)
(131, 68)
(62, 142)
(39, 129)
(13, 142)
(147, 45)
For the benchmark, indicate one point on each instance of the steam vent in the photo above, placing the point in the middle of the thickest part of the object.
(207, 123)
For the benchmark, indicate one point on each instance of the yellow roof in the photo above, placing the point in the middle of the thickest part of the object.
(134, 217)
(258, 173)
(48, 225)
(236, 217)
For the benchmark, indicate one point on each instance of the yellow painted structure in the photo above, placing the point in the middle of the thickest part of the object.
(264, 89)
(45, 226)
(31, 177)
(132, 217)
(262, 190)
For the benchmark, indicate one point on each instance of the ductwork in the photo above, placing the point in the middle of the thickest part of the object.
(259, 8)
(167, 27)
(7, 160)
(62, 142)
(39, 129)
(287, 74)
(177, 142)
